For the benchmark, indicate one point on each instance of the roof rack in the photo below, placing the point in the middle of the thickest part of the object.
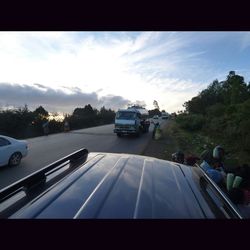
(38, 177)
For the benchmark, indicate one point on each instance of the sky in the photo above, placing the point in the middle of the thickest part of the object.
(65, 70)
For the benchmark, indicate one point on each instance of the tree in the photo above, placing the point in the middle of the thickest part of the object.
(155, 103)
(195, 105)
(154, 112)
(231, 74)
(41, 113)
(235, 90)
(14, 122)
(85, 112)
(40, 116)
(106, 115)
(222, 113)
(88, 116)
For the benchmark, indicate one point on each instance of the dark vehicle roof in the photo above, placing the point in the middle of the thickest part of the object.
(111, 185)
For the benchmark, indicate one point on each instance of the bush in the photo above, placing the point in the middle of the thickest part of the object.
(216, 110)
(191, 122)
(55, 126)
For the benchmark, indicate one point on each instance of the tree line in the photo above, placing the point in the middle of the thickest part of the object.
(23, 123)
(222, 112)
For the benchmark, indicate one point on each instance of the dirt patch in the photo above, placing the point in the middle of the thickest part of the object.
(155, 149)
(164, 147)
(173, 139)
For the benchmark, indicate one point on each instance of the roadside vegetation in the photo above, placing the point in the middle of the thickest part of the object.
(218, 115)
(23, 123)
(190, 142)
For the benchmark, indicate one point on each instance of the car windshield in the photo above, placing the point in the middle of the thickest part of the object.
(126, 115)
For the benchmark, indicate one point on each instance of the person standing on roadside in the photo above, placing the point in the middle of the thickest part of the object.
(156, 125)
(46, 128)
(66, 126)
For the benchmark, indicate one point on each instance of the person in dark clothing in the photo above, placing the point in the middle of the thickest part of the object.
(178, 157)
(66, 126)
(213, 169)
(156, 125)
(46, 128)
(219, 155)
(213, 159)
(191, 160)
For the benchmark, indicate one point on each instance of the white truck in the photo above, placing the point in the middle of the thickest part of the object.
(164, 115)
(133, 120)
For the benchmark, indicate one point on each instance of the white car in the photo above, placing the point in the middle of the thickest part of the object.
(155, 117)
(12, 151)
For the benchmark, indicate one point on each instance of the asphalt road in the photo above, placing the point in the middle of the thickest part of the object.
(47, 149)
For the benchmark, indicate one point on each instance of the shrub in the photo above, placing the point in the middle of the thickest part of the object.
(191, 122)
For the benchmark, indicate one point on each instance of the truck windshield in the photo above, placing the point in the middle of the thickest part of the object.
(126, 115)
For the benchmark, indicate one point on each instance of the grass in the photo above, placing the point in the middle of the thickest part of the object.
(187, 142)
(175, 138)
(192, 143)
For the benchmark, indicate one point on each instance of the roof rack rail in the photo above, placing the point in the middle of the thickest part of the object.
(40, 176)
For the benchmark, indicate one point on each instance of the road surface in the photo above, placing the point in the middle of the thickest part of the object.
(47, 149)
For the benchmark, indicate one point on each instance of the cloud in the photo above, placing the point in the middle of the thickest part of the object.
(113, 101)
(110, 67)
(55, 100)
(40, 86)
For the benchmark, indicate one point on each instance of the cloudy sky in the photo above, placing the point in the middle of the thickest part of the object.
(64, 70)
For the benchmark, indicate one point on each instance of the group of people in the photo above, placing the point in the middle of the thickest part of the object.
(188, 160)
(236, 183)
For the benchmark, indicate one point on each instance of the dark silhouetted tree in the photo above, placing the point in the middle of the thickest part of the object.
(156, 105)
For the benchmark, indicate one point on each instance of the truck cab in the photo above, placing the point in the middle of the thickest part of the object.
(131, 121)
(164, 116)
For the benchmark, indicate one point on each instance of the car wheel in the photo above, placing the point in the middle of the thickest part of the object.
(119, 135)
(15, 159)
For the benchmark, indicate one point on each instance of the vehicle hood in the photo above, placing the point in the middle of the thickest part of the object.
(119, 186)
